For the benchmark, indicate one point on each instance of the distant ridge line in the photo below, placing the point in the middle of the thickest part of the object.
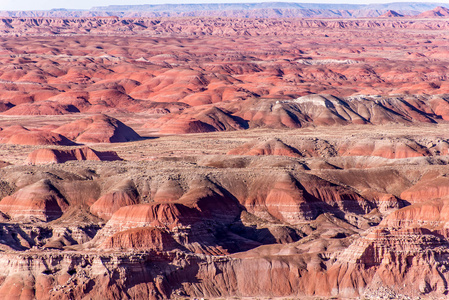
(242, 10)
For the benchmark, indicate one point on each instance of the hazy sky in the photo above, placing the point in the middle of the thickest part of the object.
(85, 4)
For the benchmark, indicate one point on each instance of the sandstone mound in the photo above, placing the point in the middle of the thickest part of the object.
(203, 203)
(432, 215)
(392, 148)
(167, 215)
(329, 110)
(123, 194)
(38, 201)
(281, 199)
(98, 129)
(270, 147)
(17, 286)
(143, 238)
(221, 119)
(104, 100)
(46, 156)
(39, 138)
(385, 202)
(212, 201)
(270, 114)
(16, 97)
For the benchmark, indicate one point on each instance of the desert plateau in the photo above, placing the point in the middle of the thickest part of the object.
(272, 151)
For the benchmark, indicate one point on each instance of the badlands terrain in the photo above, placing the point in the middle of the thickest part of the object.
(214, 157)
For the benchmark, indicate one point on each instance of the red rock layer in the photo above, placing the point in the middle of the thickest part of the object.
(39, 201)
(167, 215)
(144, 238)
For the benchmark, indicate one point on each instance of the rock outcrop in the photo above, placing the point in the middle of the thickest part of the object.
(39, 201)
(98, 129)
(50, 156)
(144, 238)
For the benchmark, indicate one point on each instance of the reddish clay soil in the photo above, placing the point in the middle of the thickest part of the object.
(220, 158)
